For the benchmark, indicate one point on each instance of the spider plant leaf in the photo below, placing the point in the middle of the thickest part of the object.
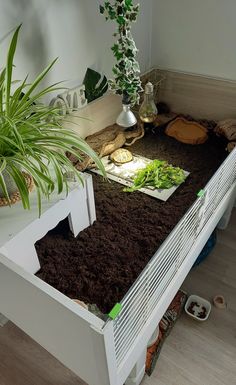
(27, 167)
(42, 176)
(57, 169)
(21, 184)
(39, 200)
(27, 102)
(68, 166)
(18, 139)
(32, 137)
(72, 140)
(3, 165)
(9, 143)
(17, 96)
(38, 80)
(39, 157)
(9, 67)
(4, 188)
(2, 79)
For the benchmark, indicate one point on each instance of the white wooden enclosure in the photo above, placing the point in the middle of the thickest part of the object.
(105, 353)
(112, 352)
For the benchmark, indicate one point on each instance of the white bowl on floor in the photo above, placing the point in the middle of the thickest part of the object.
(200, 305)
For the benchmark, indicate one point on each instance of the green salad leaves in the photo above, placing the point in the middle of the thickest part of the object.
(158, 174)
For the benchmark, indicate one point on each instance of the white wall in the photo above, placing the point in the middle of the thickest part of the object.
(186, 35)
(73, 30)
(195, 36)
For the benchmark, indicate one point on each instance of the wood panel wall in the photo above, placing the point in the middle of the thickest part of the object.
(199, 96)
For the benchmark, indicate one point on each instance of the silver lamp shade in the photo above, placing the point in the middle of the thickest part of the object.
(126, 118)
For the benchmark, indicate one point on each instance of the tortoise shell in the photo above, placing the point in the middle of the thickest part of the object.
(121, 156)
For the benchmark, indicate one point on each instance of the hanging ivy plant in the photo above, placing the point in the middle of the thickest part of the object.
(126, 71)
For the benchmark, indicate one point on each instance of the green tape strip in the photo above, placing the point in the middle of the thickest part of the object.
(115, 311)
(201, 193)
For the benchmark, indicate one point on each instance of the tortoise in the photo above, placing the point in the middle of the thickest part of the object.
(121, 156)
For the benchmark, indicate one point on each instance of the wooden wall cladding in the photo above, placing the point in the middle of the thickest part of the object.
(199, 96)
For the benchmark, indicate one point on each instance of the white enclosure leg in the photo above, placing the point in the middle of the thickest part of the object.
(90, 199)
(138, 370)
(3, 320)
(79, 216)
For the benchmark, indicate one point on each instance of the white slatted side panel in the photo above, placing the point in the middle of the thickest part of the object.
(142, 298)
(140, 301)
(219, 184)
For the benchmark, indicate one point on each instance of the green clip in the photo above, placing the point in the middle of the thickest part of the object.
(115, 311)
(201, 193)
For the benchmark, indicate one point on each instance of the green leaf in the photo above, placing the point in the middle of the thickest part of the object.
(9, 66)
(3, 165)
(158, 174)
(32, 138)
(128, 3)
(2, 80)
(94, 89)
(101, 9)
(121, 20)
(39, 78)
(17, 95)
(21, 184)
(126, 69)
(4, 188)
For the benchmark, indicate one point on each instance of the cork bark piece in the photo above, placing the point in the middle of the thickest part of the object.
(108, 140)
(188, 132)
(231, 146)
(227, 128)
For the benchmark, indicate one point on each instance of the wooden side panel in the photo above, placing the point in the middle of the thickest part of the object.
(65, 329)
(95, 116)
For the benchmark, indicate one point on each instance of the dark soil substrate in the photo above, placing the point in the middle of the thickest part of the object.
(101, 264)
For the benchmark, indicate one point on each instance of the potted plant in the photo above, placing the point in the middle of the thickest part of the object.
(126, 70)
(32, 138)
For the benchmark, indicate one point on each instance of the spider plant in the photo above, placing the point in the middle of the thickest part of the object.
(32, 137)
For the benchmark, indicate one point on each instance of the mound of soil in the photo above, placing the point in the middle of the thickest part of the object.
(101, 264)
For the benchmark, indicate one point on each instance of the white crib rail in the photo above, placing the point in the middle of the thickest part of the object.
(142, 298)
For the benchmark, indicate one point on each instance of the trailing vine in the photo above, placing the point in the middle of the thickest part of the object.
(126, 71)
